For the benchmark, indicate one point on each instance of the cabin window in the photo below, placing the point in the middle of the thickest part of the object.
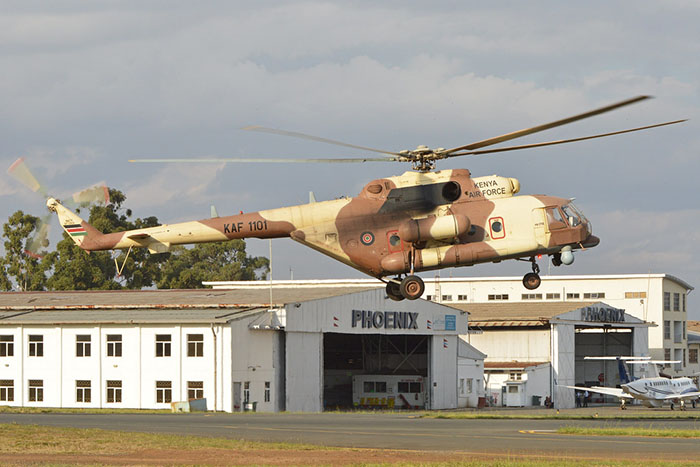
(394, 241)
(498, 229)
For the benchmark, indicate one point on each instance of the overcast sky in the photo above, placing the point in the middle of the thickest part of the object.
(85, 86)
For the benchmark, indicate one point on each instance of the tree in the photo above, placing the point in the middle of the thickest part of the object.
(75, 269)
(188, 267)
(19, 269)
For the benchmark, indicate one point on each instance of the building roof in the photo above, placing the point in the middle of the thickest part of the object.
(516, 313)
(511, 365)
(162, 299)
(129, 316)
(376, 283)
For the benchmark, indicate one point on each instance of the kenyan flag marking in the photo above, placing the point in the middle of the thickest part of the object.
(75, 230)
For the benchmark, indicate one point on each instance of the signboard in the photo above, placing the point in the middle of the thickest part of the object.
(602, 314)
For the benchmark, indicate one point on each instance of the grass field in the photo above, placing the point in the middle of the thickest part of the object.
(634, 431)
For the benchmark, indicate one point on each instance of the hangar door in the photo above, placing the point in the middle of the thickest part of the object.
(598, 342)
(374, 370)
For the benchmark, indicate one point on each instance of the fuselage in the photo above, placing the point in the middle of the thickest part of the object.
(653, 392)
(415, 221)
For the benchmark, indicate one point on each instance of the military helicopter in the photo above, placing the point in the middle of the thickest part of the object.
(397, 226)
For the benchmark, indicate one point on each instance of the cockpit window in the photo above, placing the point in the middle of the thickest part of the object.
(553, 215)
(571, 214)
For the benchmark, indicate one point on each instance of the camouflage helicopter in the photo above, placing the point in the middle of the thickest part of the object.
(400, 225)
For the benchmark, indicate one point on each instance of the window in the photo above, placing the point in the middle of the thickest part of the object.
(470, 383)
(7, 346)
(635, 295)
(462, 298)
(683, 302)
(573, 296)
(447, 298)
(497, 229)
(164, 391)
(677, 332)
(83, 390)
(162, 345)
(515, 376)
(553, 296)
(114, 391)
(36, 390)
(594, 295)
(7, 390)
(267, 391)
(667, 330)
(684, 336)
(82, 345)
(503, 296)
(531, 296)
(409, 387)
(692, 355)
(429, 298)
(683, 360)
(36, 345)
(462, 389)
(195, 345)
(667, 301)
(246, 392)
(667, 356)
(114, 345)
(676, 302)
(195, 390)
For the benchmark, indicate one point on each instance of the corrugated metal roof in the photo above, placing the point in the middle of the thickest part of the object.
(511, 365)
(533, 312)
(143, 299)
(121, 316)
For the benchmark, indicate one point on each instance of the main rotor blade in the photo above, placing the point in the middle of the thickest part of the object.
(20, 171)
(295, 134)
(269, 160)
(561, 141)
(546, 126)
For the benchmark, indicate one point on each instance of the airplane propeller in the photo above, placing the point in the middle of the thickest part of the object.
(424, 158)
(95, 194)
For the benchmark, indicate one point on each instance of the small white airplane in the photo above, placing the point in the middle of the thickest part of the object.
(652, 390)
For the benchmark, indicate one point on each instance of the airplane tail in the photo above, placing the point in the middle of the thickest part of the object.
(79, 230)
(624, 372)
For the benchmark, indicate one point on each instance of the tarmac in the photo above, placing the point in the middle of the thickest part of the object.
(507, 438)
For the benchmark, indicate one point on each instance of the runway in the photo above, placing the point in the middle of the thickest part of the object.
(497, 437)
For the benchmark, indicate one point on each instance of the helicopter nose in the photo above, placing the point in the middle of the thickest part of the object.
(591, 241)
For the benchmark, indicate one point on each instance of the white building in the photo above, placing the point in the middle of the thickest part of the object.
(296, 352)
(659, 299)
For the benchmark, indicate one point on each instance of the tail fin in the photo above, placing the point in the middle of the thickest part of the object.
(624, 373)
(78, 230)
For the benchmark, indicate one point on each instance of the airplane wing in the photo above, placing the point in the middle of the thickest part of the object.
(617, 392)
(687, 395)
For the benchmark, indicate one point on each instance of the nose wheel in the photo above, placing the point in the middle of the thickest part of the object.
(532, 280)
(410, 288)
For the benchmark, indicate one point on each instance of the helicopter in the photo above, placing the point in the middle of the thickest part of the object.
(397, 226)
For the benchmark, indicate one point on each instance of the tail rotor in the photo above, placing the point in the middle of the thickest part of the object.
(95, 194)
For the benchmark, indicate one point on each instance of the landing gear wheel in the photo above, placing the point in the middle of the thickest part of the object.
(393, 291)
(412, 287)
(531, 281)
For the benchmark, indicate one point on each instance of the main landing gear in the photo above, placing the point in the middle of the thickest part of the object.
(532, 280)
(410, 287)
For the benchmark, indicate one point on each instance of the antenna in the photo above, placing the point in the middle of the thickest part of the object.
(270, 273)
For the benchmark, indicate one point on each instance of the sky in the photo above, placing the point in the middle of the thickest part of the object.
(86, 86)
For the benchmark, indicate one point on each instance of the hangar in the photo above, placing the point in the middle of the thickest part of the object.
(535, 348)
(268, 349)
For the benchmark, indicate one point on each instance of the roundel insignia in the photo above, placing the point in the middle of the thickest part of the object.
(367, 238)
